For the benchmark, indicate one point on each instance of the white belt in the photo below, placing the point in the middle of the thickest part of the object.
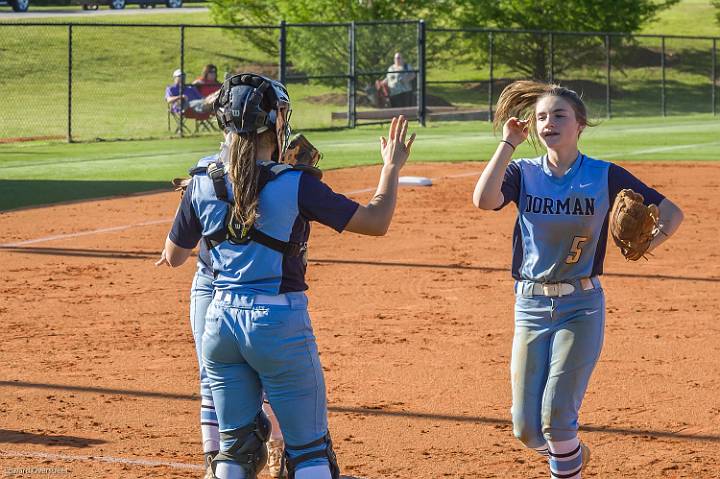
(558, 289)
(276, 300)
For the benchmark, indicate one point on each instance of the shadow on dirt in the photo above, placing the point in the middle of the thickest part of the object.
(367, 411)
(19, 437)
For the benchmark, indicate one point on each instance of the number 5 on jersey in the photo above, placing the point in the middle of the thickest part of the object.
(576, 249)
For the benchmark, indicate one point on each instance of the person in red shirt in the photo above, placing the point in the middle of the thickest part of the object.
(207, 83)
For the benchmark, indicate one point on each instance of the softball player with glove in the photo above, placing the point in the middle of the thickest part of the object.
(254, 215)
(564, 198)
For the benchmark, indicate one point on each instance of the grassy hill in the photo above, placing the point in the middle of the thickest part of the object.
(688, 17)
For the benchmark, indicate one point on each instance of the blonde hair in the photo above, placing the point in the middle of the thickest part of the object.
(519, 99)
(244, 173)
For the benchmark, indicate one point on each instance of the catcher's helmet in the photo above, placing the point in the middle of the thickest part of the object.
(250, 103)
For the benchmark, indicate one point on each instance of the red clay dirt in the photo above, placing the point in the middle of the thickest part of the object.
(414, 329)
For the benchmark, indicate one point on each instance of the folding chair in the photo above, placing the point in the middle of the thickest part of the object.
(203, 121)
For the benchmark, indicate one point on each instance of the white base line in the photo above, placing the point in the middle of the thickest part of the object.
(108, 459)
(157, 222)
(85, 233)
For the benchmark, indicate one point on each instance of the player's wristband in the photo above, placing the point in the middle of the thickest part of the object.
(511, 145)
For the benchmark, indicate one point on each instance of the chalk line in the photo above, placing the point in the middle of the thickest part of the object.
(157, 222)
(107, 459)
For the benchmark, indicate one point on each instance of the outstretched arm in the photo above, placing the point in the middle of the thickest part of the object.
(374, 218)
(487, 194)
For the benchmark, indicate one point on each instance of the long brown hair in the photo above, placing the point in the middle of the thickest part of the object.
(519, 99)
(206, 71)
(244, 173)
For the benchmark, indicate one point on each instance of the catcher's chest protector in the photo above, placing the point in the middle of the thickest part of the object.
(236, 232)
(561, 220)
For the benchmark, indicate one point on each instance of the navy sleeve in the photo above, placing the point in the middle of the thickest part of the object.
(317, 202)
(511, 185)
(186, 230)
(619, 179)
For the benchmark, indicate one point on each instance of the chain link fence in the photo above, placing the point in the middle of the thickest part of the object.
(85, 82)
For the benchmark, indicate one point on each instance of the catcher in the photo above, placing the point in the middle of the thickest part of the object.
(254, 215)
(303, 155)
(564, 201)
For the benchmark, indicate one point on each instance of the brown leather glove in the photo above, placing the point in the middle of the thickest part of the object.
(633, 225)
(181, 184)
(301, 152)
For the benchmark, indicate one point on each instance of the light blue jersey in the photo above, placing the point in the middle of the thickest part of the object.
(286, 206)
(259, 266)
(562, 226)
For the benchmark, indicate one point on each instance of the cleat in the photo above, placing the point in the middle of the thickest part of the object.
(209, 474)
(585, 454)
(276, 459)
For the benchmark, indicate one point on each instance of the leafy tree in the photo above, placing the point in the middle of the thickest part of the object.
(529, 53)
(324, 50)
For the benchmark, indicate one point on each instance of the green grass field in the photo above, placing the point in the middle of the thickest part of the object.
(41, 173)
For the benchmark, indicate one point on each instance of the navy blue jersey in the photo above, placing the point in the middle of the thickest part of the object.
(562, 227)
(286, 206)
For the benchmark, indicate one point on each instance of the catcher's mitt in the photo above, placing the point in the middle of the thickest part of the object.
(301, 152)
(633, 225)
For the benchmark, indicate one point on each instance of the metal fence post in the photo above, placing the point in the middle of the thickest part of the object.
(714, 75)
(608, 104)
(283, 52)
(490, 83)
(182, 76)
(352, 111)
(662, 76)
(421, 106)
(552, 58)
(70, 62)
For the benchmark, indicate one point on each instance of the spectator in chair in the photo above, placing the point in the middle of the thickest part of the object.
(399, 80)
(207, 83)
(189, 98)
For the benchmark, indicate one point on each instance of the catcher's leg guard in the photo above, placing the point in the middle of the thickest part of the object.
(248, 447)
(325, 452)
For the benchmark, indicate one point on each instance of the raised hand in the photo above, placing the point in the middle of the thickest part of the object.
(394, 150)
(515, 131)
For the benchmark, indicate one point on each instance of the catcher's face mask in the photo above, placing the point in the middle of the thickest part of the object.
(252, 103)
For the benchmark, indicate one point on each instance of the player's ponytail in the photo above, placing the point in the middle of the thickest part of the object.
(519, 99)
(244, 172)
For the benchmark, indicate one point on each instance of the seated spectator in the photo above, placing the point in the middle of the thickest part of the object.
(399, 81)
(189, 98)
(207, 83)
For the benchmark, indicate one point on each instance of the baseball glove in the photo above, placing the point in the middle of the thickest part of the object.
(633, 225)
(181, 184)
(301, 152)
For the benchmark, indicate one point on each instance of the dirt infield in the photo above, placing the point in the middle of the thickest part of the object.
(99, 376)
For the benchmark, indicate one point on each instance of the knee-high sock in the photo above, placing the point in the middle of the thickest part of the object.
(209, 424)
(565, 459)
(229, 470)
(542, 450)
(276, 432)
(313, 472)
